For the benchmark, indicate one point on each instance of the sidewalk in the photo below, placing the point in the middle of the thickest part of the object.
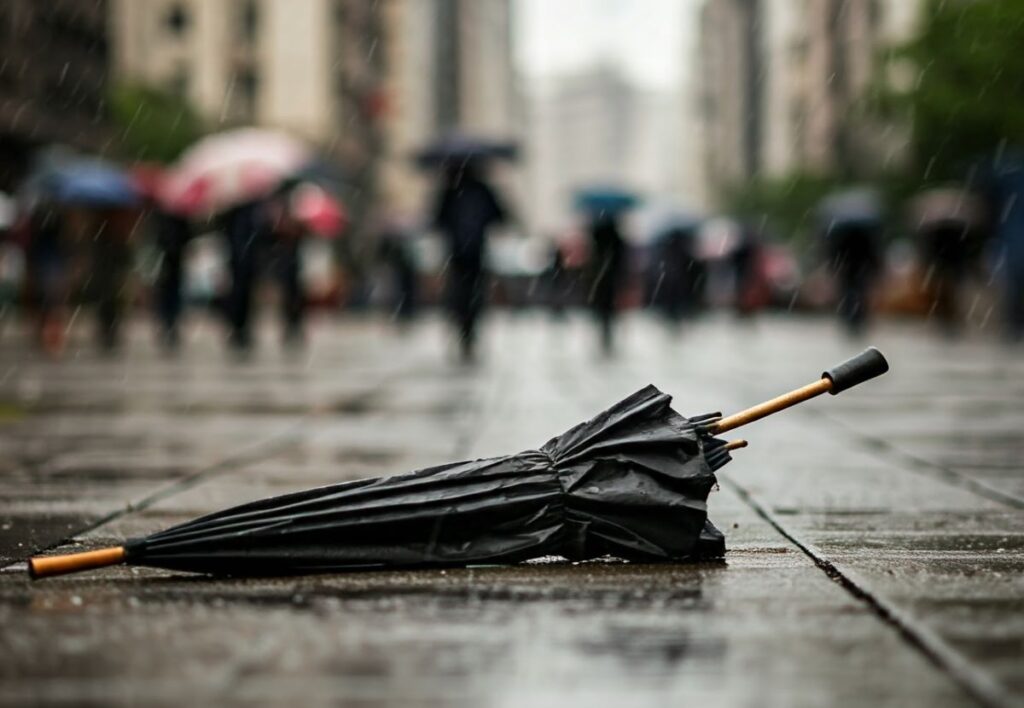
(876, 538)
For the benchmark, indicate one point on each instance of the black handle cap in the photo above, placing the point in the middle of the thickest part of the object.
(863, 367)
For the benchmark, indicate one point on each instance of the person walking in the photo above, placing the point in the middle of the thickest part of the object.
(246, 231)
(467, 208)
(853, 252)
(606, 271)
(48, 265)
(172, 234)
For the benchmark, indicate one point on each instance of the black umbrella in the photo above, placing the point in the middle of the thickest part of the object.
(458, 148)
(631, 482)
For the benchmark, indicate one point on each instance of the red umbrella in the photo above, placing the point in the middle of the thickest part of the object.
(227, 169)
(318, 211)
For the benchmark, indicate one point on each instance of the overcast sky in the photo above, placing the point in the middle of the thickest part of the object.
(649, 39)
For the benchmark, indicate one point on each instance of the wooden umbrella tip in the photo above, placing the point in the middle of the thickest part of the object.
(48, 566)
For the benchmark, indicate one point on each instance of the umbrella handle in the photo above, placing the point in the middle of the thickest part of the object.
(863, 367)
(49, 566)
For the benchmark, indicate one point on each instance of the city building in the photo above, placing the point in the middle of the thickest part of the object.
(369, 82)
(597, 128)
(782, 83)
(313, 68)
(53, 72)
(289, 65)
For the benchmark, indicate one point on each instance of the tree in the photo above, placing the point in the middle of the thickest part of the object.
(154, 125)
(967, 101)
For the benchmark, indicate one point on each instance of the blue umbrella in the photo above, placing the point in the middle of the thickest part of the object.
(607, 200)
(92, 183)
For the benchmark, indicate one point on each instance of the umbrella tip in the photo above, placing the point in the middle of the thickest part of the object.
(736, 444)
(863, 367)
(47, 566)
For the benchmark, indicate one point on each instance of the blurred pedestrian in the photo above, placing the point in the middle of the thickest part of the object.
(851, 225)
(246, 230)
(1004, 187)
(466, 209)
(676, 276)
(854, 256)
(110, 269)
(947, 223)
(287, 234)
(606, 273)
(48, 266)
(172, 234)
(946, 253)
(396, 254)
(748, 278)
(557, 280)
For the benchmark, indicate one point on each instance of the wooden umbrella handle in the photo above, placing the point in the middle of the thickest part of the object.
(49, 566)
(863, 367)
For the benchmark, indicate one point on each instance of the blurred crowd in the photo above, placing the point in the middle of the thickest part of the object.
(247, 209)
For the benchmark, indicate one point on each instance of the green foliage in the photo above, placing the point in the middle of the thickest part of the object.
(155, 125)
(968, 99)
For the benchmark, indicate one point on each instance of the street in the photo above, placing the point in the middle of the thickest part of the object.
(876, 539)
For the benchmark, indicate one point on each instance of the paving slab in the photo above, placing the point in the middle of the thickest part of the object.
(858, 573)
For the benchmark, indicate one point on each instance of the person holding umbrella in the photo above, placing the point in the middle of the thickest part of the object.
(607, 267)
(172, 234)
(236, 175)
(947, 222)
(466, 209)
(104, 201)
(851, 222)
(48, 262)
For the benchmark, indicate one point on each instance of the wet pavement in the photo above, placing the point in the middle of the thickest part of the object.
(876, 539)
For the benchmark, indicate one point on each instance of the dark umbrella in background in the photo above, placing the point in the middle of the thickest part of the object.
(631, 482)
(456, 148)
(856, 207)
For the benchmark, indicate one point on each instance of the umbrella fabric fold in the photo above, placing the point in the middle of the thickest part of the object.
(631, 482)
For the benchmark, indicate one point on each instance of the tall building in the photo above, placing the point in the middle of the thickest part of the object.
(729, 90)
(369, 82)
(314, 68)
(53, 73)
(782, 83)
(596, 127)
(266, 62)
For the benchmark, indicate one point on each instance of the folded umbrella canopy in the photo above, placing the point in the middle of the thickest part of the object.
(631, 482)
